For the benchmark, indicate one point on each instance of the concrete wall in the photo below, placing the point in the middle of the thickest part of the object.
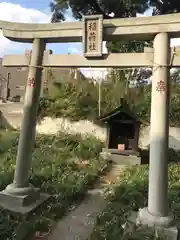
(12, 115)
(52, 126)
(174, 137)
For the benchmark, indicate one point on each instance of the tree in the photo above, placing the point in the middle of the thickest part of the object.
(165, 6)
(120, 9)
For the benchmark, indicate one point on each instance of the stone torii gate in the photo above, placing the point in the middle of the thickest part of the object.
(20, 195)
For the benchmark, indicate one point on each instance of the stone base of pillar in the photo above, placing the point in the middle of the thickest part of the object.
(165, 226)
(145, 218)
(21, 200)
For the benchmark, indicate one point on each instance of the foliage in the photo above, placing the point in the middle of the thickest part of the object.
(78, 100)
(74, 100)
(119, 8)
(63, 166)
(175, 76)
(174, 155)
(174, 110)
(80, 8)
(165, 6)
(130, 194)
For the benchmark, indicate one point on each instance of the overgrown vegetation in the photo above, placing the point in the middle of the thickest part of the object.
(138, 98)
(78, 100)
(114, 9)
(63, 166)
(130, 194)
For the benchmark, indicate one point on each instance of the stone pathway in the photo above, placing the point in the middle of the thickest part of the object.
(79, 224)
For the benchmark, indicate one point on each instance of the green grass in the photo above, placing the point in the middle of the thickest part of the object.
(130, 194)
(57, 168)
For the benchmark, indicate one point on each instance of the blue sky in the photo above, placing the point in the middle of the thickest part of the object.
(31, 11)
(38, 11)
(42, 5)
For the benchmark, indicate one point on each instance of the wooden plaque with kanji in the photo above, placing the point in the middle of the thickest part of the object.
(93, 36)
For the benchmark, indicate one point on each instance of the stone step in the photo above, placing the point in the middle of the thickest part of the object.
(80, 222)
(125, 160)
(11, 120)
(11, 115)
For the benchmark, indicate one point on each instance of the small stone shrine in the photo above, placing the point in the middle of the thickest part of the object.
(122, 135)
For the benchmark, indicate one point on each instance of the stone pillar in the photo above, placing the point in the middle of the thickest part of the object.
(20, 193)
(159, 135)
(157, 212)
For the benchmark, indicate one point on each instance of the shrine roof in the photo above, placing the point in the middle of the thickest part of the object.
(123, 109)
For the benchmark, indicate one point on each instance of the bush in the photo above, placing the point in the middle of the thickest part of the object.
(130, 194)
(174, 155)
(78, 100)
(63, 166)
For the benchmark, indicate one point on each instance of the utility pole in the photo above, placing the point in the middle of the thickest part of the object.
(7, 86)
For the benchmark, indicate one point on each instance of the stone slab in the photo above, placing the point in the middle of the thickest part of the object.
(16, 200)
(168, 233)
(20, 205)
(125, 152)
(125, 160)
(146, 218)
(79, 224)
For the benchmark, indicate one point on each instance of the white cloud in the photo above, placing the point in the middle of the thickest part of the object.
(17, 13)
